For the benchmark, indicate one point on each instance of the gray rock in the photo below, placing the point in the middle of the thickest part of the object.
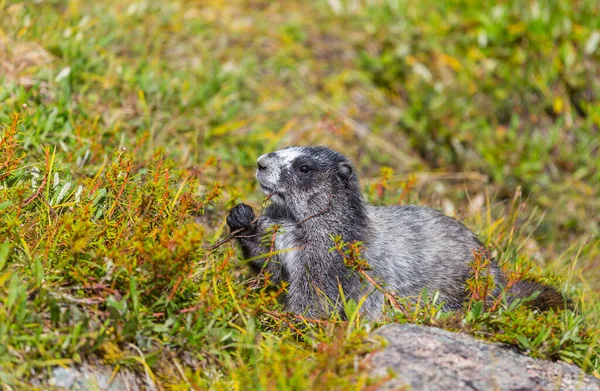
(427, 358)
(95, 377)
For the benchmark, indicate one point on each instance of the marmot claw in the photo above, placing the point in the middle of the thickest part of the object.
(240, 216)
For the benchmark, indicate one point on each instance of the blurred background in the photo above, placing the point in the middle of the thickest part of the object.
(463, 105)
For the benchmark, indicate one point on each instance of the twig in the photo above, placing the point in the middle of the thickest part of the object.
(290, 325)
(182, 311)
(77, 301)
(319, 213)
(92, 287)
(385, 292)
(311, 320)
(248, 236)
(284, 317)
(233, 234)
(228, 238)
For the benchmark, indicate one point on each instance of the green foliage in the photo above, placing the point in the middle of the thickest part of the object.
(138, 124)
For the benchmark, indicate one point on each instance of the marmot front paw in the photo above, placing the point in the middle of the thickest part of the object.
(240, 216)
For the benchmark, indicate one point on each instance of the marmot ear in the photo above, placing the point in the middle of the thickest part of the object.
(344, 171)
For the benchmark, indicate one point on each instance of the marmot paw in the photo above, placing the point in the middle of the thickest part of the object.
(240, 216)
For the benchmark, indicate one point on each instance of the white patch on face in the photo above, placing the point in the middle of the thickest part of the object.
(288, 155)
(270, 175)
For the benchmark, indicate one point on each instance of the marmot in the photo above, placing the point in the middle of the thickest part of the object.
(315, 194)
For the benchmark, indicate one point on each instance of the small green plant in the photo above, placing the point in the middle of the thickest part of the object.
(9, 148)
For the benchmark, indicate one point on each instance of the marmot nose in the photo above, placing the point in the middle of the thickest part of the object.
(261, 162)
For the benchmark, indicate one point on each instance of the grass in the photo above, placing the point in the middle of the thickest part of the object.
(130, 128)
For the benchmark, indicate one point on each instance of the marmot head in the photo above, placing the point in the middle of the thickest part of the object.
(303, 179)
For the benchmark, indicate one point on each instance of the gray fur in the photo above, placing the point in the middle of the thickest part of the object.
(409, 247)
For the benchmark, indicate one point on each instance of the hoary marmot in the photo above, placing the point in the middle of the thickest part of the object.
(315, 194)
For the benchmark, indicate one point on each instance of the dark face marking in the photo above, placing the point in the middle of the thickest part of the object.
(303, 178)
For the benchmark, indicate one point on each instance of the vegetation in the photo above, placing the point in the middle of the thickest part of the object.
(131, 127)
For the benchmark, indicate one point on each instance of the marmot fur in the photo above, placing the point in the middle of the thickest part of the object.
(315, 193)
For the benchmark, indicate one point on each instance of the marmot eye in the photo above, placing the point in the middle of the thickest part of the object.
(304, 169)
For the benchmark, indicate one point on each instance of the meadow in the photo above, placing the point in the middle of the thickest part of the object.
(131, 127)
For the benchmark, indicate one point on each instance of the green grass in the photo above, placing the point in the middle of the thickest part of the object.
(139, 124)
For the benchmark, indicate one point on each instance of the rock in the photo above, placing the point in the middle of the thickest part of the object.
(427, 358)
(95, 377)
